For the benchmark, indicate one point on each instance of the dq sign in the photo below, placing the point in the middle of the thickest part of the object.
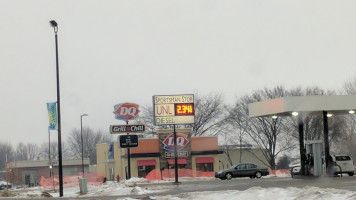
(126, 111)
(182, 141)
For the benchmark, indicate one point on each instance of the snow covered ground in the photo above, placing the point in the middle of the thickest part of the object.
(135, 186)
(255, 193)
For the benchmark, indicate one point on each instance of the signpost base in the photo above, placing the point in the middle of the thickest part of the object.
(83, 186)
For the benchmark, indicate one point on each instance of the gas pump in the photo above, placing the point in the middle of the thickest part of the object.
(314, 156)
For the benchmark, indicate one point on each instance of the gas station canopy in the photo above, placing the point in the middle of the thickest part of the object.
(336, 104)
(323, 105)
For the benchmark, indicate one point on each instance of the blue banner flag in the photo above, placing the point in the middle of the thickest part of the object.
(52, 115)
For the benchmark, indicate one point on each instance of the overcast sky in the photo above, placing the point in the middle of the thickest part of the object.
(113, 52)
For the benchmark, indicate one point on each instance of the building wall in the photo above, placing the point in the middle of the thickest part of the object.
(248, 156)
(216, 161)
(103, 161)
(29, 172)
(151, 149)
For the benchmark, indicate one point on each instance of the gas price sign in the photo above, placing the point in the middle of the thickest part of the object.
(177, 109)
(184, 109)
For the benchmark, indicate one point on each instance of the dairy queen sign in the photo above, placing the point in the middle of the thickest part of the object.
(126, 111)
(182, 141)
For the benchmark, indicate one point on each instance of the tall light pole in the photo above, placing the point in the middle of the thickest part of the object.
(81, 135)
(60, 169)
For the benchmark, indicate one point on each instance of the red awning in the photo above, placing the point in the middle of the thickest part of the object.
(205, 160)
(146, 162)
(180, 161)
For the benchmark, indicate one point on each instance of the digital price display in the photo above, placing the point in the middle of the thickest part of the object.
(184, 109)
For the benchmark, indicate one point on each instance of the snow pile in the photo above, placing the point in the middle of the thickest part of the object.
(140, 186)
(3, 183)
(257, 193)
(110, 188)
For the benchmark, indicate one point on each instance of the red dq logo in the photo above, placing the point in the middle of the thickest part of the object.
(181, 142)
(126, 111)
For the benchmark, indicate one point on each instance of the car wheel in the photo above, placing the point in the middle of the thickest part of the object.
(228, 176)
(351, 173)
(258, 175)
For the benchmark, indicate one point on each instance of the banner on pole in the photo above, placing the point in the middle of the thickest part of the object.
(52, 115)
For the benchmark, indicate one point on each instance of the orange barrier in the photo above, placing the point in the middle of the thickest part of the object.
(170, 173)
(73, 180)
(279, 171)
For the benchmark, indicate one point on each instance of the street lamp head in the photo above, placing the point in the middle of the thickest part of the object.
(53, 23)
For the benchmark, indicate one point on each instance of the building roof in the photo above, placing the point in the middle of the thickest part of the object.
(335, 104)
(236, 146)
(45, 163)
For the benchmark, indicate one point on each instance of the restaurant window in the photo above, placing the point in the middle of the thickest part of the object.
(144, 167)
(144, 170)
(205, 164)
(179, 166)
(205, 167)
(181, 162)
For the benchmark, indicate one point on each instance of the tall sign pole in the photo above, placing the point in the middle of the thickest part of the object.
(60, 169)
(126, 112)
(173, 110)
(128, 158)
(175, 155)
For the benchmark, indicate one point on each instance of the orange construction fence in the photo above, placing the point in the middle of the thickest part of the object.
(279, 172)
(156, 174)
(72, 180)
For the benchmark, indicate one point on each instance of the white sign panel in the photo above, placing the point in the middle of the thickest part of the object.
(175, 109)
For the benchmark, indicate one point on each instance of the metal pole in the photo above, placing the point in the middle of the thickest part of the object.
(301, 144)
(175, 155)
(49, 151)
(128, 159)
(240, 147)
(326, 140)
(7, 182)
(81, 135)
(60, 166)
(54, 189)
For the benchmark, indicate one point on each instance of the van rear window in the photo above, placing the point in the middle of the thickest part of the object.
(342, 158)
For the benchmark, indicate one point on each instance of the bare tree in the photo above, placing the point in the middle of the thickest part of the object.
(90, 139)
(266, 133)
(27, 151)
(239, 123)
(349, 87)
(21, 152)
(146, 117)
(345, 143)
(44, 151)
(209, 115)
(6, 155)
(33, 151)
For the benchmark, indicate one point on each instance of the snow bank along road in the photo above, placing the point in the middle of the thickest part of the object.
(215, 189)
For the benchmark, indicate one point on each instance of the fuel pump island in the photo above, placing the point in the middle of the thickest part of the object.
(312, 153)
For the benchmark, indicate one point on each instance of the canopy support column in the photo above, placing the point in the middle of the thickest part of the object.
(301, 144)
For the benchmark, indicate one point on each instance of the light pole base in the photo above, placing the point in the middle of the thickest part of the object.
(83, 186)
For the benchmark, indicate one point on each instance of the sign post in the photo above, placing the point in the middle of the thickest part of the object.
(126, 112)
(172, 110)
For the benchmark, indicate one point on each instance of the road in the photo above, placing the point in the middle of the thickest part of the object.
(344, 183)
